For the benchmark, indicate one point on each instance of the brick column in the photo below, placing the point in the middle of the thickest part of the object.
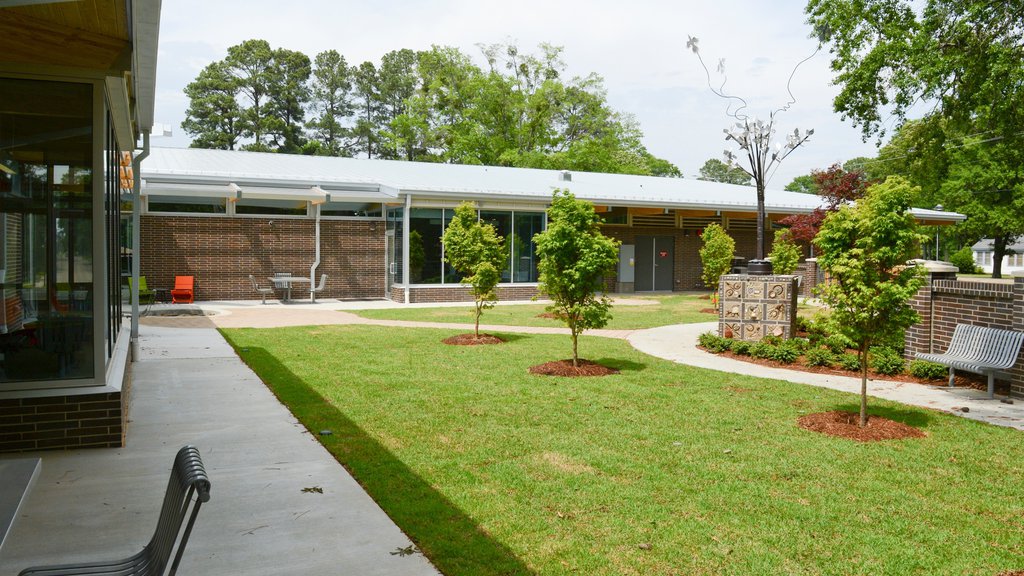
(920, 336)
(1017, 372)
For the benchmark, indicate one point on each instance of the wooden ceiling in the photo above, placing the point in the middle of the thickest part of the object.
(79, 34)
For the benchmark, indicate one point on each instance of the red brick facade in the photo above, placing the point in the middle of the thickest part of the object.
(945, 302)
(62, 422)
(222, 252)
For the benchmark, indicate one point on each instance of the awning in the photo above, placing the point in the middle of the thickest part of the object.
(244, 191)
(195, 190)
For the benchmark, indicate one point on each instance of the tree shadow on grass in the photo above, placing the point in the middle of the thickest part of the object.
(622, 365)
(917, 418)
(448, 536)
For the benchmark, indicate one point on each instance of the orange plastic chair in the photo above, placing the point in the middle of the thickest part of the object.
(182, 291)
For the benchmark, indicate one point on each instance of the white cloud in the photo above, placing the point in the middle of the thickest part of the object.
(638, 47)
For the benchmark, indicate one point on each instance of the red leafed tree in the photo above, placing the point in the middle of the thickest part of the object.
(837, 187)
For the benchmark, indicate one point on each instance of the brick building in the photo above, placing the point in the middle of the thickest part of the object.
(224, 215)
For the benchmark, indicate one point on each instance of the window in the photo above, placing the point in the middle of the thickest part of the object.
(46, 204)
(351, 209)
(425, 228)
(615, 215)
(502, 222)
(524, 249)
(186, 204)
(271, 207)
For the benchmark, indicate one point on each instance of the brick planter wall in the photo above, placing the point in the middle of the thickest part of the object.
(222, 252)
(62, 422)
(945, 302)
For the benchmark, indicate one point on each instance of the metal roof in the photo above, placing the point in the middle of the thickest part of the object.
(455, 181)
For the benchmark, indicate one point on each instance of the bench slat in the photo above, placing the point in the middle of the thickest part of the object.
(979, 349)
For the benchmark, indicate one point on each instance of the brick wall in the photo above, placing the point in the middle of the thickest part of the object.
(222, 252)
(945, 302)
(62, 422)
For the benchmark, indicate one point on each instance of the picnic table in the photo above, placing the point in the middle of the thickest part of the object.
(285, 283)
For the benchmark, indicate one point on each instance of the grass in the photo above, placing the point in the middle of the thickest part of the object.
(663, 469)
(671, 309)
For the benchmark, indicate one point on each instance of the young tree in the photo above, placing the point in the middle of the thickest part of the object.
(716, 255)
(476, 252)
(865, 249)
(785, 254)
(574, 259)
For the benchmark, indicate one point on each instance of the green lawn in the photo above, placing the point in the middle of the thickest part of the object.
(673, 309)
(663, 469)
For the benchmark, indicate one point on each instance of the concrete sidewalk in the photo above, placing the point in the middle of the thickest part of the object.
(678, 343)
(190, 388)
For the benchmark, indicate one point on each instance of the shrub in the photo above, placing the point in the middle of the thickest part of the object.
(785, 254)
(837, 343)
(716, 254)
(741, 347)
(926, 370)
(820, 357)
(763, 349)
(885, 361)
(848, 361)
(786, 353)
(803, 324)
(964, 260)
(714, 343)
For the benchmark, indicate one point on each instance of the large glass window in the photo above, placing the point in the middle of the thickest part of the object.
(271, 207)
(46, 203)
(524, 249)
(395, 226)
(425, 228)
(502, 222)
(186, 204)
(351, 209)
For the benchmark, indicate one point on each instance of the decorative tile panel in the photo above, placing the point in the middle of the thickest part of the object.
(752, 307)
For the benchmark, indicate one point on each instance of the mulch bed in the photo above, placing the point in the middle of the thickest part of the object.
(845, 425)
(472, 340)
(709, 310)
(962, 380)
(565, 368)
(1012, 573)
(548, 315)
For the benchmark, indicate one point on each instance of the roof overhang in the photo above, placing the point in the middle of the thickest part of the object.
(241, 190)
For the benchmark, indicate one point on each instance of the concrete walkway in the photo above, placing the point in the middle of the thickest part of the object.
(190, 388)
(678, 343)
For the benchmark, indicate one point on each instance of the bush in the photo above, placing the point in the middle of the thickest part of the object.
(741, 347)
(785, 254)
(820, 357)
(715, 254)
(786, 353)
(714, 343)
(848, 361)
(885, 361)
(763, 349)
(837, 343)
(926, 370)
(964, 260)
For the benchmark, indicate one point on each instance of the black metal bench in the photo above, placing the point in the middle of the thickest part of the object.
(985, 351)
(188, 479)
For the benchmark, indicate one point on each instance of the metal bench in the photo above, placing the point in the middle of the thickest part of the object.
(985, 351)
(188, 479)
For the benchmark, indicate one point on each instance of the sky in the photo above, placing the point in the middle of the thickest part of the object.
(638, 47)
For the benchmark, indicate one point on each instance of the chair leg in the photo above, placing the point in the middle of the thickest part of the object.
(991, 385)
(950, 376)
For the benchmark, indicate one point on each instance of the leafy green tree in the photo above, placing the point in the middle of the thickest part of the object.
(251, 64)
(476, 252)
(964, 260)
(574, 260)
(785, 254)
(865, 249)
(714, 170)
(289, 95)
(803, 184)
(367, 130)
(963, 59)
(331, 103)
(716, 254)
(213, 115)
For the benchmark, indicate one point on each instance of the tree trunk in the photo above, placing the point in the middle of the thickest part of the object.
(863, 386)
(998, 251)
(476, 330)
(575, 354)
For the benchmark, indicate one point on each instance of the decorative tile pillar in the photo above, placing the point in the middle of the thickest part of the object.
(752, 307)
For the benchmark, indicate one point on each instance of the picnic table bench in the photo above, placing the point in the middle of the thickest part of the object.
(980, 350)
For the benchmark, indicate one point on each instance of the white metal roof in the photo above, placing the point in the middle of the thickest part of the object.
(398, 178)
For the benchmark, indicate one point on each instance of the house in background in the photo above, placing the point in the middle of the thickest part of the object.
(1013, 262)
(223, 215)
(77, 81)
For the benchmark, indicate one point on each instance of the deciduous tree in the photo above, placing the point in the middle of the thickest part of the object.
(476, 252)
(574, 260)
(785, 254)
(715, 170)
(716, 254)
(865, 248)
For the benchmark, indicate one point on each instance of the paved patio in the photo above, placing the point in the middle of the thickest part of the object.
(190, 388)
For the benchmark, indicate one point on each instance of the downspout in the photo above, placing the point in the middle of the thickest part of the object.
(406, 277)
(136, 240)
(316, 257)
